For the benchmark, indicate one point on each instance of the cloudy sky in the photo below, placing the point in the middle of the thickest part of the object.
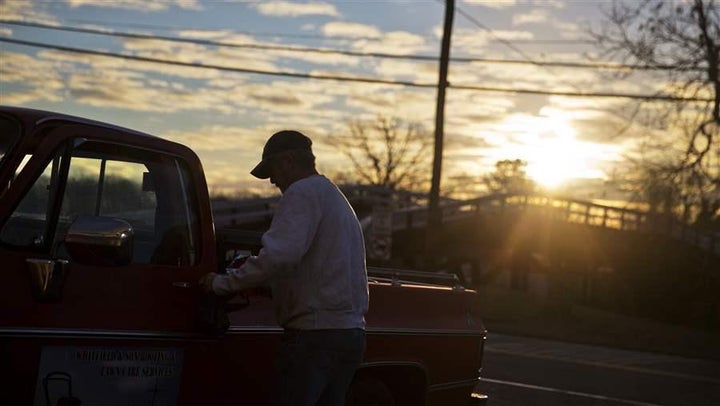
(225, 115)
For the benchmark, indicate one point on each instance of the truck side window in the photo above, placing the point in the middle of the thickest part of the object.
(98, 186)
(9, 134)
(27, 225)
(148, 189)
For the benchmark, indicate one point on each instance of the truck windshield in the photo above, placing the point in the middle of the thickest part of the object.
(9, 134)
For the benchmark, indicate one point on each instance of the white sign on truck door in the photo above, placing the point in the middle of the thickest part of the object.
(108, 376)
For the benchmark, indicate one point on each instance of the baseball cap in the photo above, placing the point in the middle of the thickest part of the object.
(281, 141)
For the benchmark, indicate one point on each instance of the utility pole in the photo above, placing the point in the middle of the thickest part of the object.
(434, 219)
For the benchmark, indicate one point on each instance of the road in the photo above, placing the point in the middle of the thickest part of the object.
(526, 371)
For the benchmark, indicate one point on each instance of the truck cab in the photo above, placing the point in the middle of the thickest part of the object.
(104, 233)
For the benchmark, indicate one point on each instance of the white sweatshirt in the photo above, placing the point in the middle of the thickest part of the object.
(314, 257)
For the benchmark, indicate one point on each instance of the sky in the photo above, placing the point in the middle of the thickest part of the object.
(225, 115)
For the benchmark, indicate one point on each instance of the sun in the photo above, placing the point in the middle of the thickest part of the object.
(553, 153)
(552, 162)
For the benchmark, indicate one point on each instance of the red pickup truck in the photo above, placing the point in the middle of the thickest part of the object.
(104, 233)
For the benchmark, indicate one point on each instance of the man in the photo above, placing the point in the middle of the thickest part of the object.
(313, 256)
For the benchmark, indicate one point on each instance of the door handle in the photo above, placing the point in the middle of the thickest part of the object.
(182, 284)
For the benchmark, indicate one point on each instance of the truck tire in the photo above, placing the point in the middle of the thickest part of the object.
(369, 392)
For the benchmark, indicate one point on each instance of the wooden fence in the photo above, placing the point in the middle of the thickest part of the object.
(557, 208)
(564, 209)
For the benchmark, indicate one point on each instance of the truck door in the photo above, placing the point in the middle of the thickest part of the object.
(99, 254)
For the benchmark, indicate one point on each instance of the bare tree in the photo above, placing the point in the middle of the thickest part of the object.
(681, 40)
(387, 152)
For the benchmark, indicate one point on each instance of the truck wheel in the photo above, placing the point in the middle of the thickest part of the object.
(369, 393)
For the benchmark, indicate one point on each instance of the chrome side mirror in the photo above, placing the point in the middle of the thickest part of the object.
(103, 241)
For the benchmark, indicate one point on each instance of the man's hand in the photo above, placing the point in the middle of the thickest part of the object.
(206, 282)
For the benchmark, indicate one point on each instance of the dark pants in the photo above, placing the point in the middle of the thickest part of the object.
(315, 367)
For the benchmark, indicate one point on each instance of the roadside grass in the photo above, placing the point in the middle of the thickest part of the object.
(512, 312)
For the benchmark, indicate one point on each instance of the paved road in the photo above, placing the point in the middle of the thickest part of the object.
(525, 371)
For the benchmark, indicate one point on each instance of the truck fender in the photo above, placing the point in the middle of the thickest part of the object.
(388, 383)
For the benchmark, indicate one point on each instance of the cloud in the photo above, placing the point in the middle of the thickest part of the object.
(233, 57)
(291, 9)
(287, 96)
(317, 58)
(550, 78)
(499, 4)
(140, 86)
(370, 39)
(491, 3)
(415, 71)
(31, 79)
(246, 58)
(71, 62)
(472, 109)
(394, 42)
(218, 35)
(474, 41)
(350, 30)
(276, 100)
(412, 105)
(130, 90)
(139, 5)
(536, 16)
(22, 10)
(469, 115)
(546, 3)
(213, 138)
(228, 153)
(109, 83)
(570, 30)
(181, 52)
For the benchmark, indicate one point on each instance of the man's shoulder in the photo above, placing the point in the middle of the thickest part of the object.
(311, 187)
(312, 184)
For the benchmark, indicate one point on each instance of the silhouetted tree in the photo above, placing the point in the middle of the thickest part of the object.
(680, 39)
(509, 176)
(386, 152)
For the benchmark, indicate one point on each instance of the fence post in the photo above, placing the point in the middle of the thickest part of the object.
(605, 217)
(587, 214)
(567, 210)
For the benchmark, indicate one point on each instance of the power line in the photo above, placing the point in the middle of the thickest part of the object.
(207, 66)
(203, 41)
(526, 61)
(252, 33)
(219, 43)
(658, 97)
(541, 41)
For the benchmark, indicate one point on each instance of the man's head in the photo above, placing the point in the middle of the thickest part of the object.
(287, 157)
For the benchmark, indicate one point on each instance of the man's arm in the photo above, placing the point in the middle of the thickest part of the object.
(250, 274)
(291, 232)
